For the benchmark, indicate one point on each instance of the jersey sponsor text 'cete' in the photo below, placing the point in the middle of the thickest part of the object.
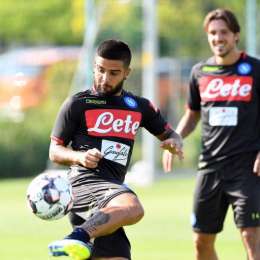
(232, 88)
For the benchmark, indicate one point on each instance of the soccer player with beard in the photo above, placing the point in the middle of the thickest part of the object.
(94, 133)
(224, 92)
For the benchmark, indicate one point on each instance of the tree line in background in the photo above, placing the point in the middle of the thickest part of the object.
(24, 146)
(61, 22)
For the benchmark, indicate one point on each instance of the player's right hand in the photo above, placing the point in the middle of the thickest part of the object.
(167, 161)
(90, 158)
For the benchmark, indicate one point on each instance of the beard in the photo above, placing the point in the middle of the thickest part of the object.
(222, 52)
(108, 90)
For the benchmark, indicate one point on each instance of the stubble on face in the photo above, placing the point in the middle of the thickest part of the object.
(220, 51)
(107, 90)
(109, 76)
(222, 41)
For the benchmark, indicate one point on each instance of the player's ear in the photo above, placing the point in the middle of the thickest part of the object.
(237, 37)
(127, 72)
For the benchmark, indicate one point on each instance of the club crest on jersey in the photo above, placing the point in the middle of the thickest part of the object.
(112, 122)
(244, 68)
(130, 102)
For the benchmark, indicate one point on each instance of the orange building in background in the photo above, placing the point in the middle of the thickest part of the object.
(23, 75)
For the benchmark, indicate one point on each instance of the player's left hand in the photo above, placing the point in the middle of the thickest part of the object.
(257, 165)
(174, 145)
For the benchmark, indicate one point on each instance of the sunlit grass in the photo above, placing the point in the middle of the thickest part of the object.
(163, 234)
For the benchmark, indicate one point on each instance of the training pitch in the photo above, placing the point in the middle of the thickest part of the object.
(163, 234)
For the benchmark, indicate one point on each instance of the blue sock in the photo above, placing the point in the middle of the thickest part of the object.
(79, 234)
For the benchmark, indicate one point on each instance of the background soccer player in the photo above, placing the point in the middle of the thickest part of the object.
(100, 125)
(225, 93)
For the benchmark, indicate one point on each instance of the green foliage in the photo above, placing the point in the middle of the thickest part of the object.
(61, 22)
(124, 23)
(24, 145)
(192, 147)
(37, 22)
(180, 25)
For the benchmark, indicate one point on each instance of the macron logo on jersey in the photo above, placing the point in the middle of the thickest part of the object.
(113, 122)
(226, 88)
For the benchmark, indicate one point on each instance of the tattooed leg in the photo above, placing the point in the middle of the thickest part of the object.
(123, 210)
(98, 218)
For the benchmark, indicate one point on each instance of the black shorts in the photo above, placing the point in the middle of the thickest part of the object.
(233, 184)
(90, 194)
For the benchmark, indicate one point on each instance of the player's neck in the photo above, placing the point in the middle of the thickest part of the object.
(118, 93)
(229, 59)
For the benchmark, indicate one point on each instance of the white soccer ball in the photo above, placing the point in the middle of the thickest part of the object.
(50, 197)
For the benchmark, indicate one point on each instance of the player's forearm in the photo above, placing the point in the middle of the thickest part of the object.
(185, 127)
(63, 155)
(168, 133)
(188, 123)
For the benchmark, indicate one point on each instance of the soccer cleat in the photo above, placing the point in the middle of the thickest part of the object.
(76, 249)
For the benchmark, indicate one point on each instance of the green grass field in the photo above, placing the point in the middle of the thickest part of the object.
(163, 234)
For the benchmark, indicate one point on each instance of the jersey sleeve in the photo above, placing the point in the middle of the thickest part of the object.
(152, 119)
(193, 92)
(65, 124)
